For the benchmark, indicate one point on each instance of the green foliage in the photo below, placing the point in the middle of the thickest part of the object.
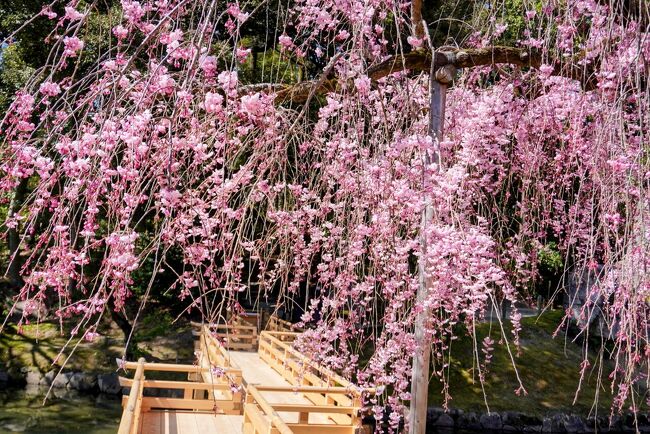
(14, 72)
(550, 259)
(449, 21)
(155, 324)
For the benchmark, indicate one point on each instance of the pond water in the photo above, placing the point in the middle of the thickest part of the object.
(23, 411)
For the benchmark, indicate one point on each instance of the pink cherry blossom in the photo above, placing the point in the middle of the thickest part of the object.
(72, 14)
(120, 32)
(213, 102)
(285, 42)
(72, 46)
(49, 88)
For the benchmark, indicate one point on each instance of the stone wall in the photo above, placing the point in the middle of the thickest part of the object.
(455, 420)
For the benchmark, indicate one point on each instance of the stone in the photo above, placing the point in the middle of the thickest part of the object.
(554, 424)
(63, 393)
(509, 429)
(574, 424)
(38, 308)
(469, 421)
(491, 421)
(82, 382)
(433, 413)
(32, 390)
(445, 421)
(532, 429)
(519, 420)
(47, 379)
(616, 423)
(437, 411)
(4, 378)
(643, 420)
(109, 383)
(33, 377)
(61, 380)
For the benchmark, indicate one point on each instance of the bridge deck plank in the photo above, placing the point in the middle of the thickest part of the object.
(190, 422)
(256, 371)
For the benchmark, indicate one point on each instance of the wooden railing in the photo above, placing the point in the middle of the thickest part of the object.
(261, 417)
(297, 369)
(238, 334)
(276, 350)
(276, 324)
(130, 422)
(328, 404)
(216, 393)
(217, 366)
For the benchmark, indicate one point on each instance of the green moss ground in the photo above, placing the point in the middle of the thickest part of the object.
(38, 345)
(547, 367)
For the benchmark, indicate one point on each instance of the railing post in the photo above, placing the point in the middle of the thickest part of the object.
(130, 422)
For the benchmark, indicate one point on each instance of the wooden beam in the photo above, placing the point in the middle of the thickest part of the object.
(276, 420)
(187, 404)
(308, 408)
(172, 367)
(300, 428)
(308, 389)
(165, 384)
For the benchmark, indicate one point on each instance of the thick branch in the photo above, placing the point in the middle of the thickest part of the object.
(420, 61)
(416, 19)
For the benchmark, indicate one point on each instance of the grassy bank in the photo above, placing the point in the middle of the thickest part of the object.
(38, 346)
(548, 368)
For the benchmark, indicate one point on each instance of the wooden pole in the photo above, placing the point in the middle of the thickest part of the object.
(420, 369)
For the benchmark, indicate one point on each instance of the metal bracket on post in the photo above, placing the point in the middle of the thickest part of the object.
(440, 80)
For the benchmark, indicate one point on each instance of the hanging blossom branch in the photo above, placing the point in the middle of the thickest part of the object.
(166, 144)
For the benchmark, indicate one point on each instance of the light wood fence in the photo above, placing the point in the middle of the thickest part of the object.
(262, 417)
(331, 404)
(217, 366)
(216, 393)
(276, 324)
(316, 380)
(238, 334)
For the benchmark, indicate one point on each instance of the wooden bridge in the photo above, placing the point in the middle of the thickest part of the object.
(244, 382)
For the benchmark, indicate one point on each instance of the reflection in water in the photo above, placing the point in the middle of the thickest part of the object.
(65, 411)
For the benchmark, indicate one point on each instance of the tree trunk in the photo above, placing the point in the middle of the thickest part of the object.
(127, 328)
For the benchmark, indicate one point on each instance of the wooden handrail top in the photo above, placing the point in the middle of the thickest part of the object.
(278, 323)
(233, 326)
(204, 405)
(166, 384)
(129, 417)
(251, 329)
(274, 334)
(172, 367)
(314, 389)
(224, 325)
(276, 420)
